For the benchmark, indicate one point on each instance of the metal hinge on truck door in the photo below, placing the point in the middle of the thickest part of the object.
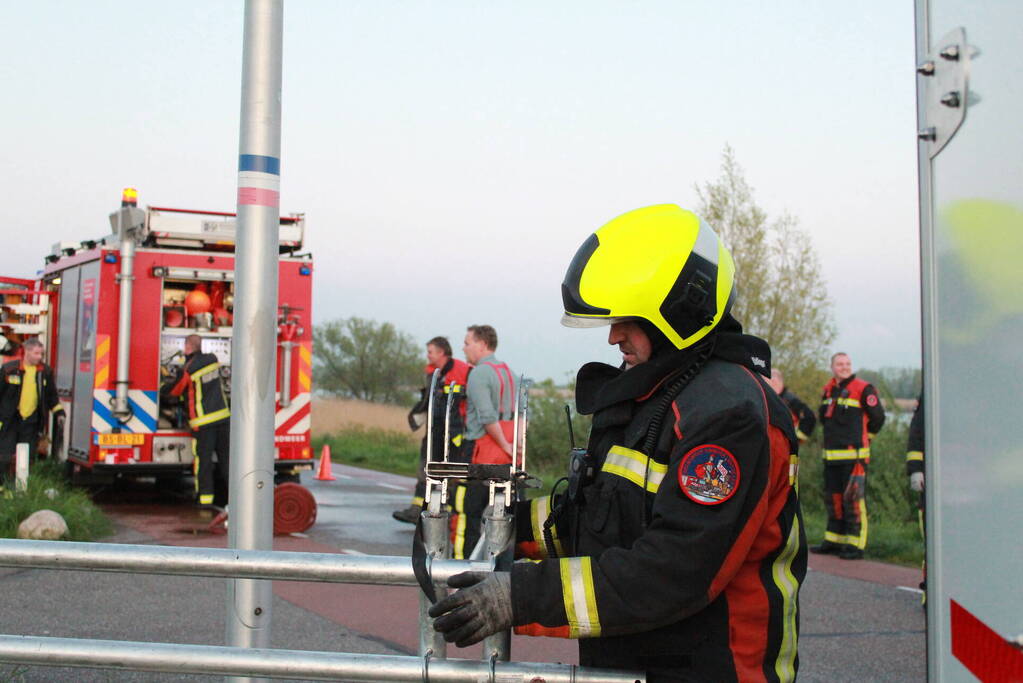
(945, 75)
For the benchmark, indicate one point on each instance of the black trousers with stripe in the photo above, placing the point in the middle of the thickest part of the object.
(847, 518)
(211, 474)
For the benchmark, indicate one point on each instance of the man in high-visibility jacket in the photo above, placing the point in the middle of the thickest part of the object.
(677, 548)
(851, 414)
(209, 417)
(450, 387)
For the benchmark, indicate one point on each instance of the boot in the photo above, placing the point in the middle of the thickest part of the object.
(409, 515)
(826, 548)
(851, 553)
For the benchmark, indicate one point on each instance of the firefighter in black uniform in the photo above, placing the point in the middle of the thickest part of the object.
(450, 385)
(803, 418)
(678, 546)
(27, 395)
(209, 418)
(915, 472)
(851, 414)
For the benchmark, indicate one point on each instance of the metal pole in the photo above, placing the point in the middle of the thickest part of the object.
(929, 334)
(21, 467)
(286, 373)
(225, 562)
(435, 539)
(255, 315)
(126, 278)
(291, 664)
(498, 530)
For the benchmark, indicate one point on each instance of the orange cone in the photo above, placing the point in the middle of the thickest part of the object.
(323, 472)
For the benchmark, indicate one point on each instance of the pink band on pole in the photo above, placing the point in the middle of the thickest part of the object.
(259, 197)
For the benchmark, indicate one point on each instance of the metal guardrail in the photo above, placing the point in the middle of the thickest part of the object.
(225, 563)
(294, 664)
(235, 661)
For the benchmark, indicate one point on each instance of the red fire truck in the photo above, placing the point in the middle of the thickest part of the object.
(115, 312)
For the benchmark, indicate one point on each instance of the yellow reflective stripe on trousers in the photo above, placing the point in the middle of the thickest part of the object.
(832, 537)
(195, 464)
(785, 580)
(209, 418)
(580, 598)
(861, 540)
(846, 453)
(633, 465)
(915, 456)
(458, 551)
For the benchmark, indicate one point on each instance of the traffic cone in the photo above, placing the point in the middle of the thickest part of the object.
(323, 472)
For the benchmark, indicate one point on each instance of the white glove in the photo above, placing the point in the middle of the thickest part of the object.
(916, 481)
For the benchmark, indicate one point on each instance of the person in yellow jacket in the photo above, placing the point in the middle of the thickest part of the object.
(27, 394)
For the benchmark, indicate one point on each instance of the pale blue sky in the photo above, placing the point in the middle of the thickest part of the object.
(451, 156)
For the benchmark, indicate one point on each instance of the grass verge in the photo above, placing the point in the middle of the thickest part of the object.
(48, 490)
(372, 448)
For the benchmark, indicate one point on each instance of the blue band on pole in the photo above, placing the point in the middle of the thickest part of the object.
(255, 162)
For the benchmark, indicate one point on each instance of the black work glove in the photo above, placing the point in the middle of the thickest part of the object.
(481, 608)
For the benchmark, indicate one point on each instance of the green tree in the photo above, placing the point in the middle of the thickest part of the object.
(780, 292)
(364, 359)
(899, 382)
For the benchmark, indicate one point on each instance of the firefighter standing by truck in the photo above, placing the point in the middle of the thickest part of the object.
(27, 395)
(851, 414)
(652, 566)
(209, 417)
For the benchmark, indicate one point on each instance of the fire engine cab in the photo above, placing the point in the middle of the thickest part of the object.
(115, 312)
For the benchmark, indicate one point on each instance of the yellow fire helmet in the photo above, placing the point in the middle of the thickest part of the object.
(662, 264)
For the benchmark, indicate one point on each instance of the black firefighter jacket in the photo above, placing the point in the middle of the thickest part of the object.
(199, 382)
(11, 375)
(686, 565)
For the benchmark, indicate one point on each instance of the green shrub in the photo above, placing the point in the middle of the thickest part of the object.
(84, 520)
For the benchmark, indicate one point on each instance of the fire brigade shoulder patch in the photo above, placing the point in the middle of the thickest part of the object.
(872, 400)
(708, 474)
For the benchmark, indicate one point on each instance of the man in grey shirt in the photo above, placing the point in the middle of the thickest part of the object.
(489, 425)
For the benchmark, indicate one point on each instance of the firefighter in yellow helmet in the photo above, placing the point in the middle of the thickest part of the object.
(650, 565)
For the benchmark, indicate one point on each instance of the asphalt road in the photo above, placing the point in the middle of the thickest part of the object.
(856, 623)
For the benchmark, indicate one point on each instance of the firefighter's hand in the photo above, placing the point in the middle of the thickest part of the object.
(916, 481)
(481, 608)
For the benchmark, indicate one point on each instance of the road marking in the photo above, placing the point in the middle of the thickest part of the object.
(910, 589)
(392, 486)
(349, 551)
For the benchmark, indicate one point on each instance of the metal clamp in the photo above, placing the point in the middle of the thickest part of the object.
(493, 667)
(426, 665)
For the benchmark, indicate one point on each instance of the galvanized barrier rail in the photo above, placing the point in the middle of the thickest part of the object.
(235, 661)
